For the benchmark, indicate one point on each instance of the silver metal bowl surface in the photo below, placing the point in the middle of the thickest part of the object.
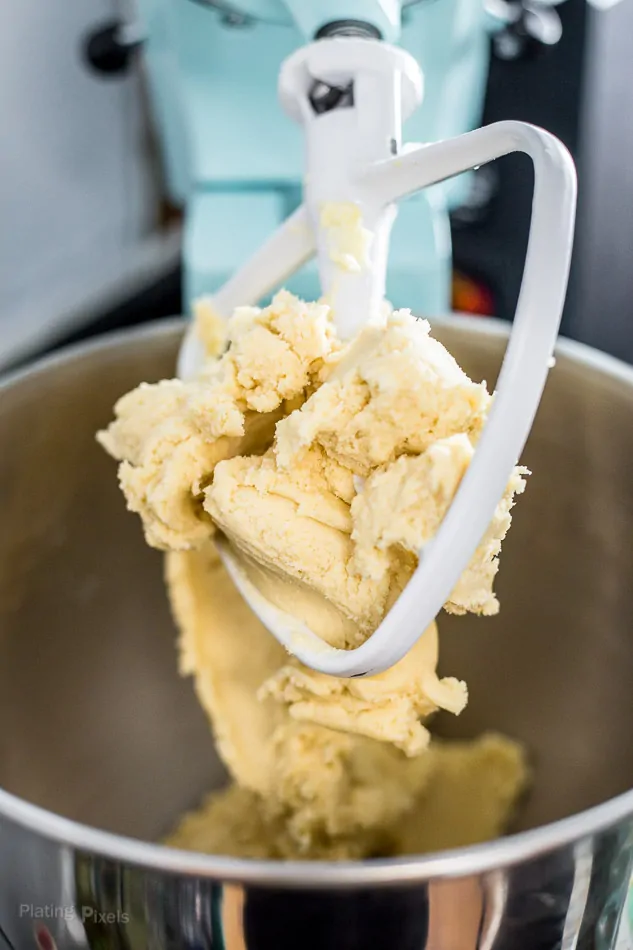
(102, 744)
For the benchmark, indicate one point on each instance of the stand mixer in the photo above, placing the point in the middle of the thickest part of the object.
(352, 90)
(94, 767)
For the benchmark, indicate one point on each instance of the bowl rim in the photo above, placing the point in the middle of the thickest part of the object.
(459, 862)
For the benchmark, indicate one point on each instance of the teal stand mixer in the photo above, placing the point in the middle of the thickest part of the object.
(234, 161)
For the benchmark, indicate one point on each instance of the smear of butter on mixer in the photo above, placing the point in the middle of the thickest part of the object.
(210, 326)
(348, 241)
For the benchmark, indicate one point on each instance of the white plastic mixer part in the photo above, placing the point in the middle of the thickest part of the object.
(387, 87)
(374, 182)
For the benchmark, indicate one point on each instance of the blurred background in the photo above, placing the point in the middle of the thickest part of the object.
(91, 230)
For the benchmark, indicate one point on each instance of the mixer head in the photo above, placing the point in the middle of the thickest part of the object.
(276, 12)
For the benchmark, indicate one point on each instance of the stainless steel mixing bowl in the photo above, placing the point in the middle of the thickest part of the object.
(102, 745)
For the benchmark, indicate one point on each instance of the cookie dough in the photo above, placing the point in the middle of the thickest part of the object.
(324, 787)
(470, 797)
(327, 465)
(306, 791)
